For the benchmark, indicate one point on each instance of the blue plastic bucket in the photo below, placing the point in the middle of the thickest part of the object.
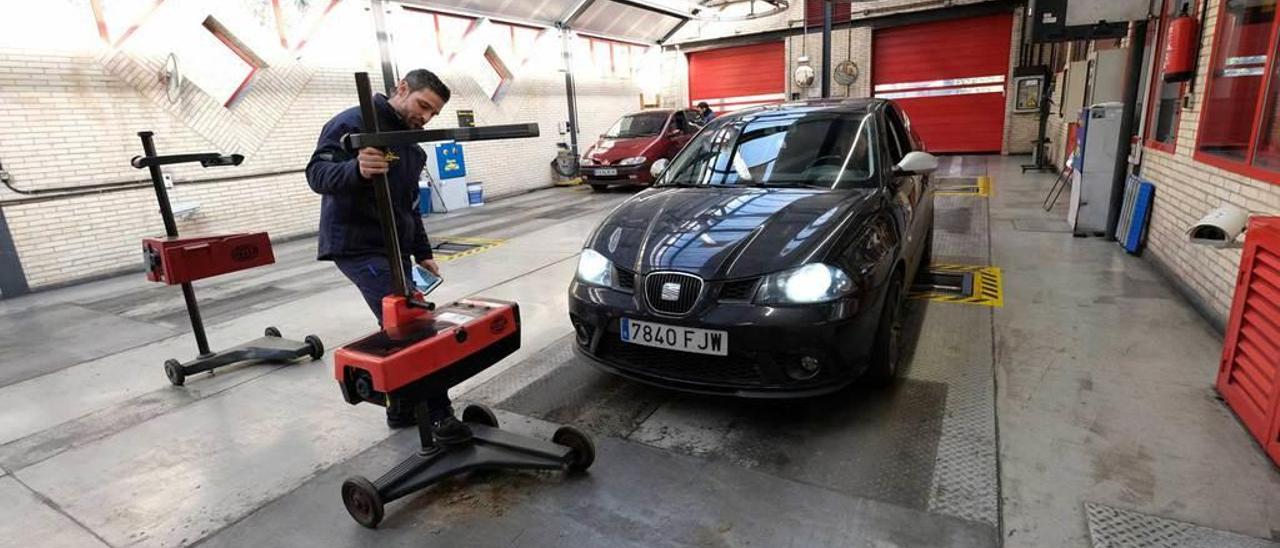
(424, 200)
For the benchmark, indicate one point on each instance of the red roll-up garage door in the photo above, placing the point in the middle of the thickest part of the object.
(950, 78)
(735, 78)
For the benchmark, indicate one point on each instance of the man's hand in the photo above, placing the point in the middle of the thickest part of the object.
(373, 162)
(431, 266)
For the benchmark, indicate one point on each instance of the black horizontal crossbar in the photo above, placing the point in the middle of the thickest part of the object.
(206, 159)
(384, 139)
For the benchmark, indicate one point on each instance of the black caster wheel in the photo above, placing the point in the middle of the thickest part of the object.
(362, 501)
(584, 451)
(314, 347)
(479, 414)
(271, 332)
(173, 370)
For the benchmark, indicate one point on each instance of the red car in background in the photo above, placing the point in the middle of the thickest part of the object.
(623, 155)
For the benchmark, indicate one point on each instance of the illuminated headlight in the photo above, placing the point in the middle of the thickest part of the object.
(633, 161)
(811, 283)
(594, 269)
(587, 162)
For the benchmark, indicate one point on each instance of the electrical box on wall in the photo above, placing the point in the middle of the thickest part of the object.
(1058, 21)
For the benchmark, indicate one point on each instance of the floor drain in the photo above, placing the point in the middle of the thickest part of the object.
(448, 248)
(964, 186)
(955, 283)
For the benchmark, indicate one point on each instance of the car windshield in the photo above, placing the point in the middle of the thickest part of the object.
(779, 148)
(644, 124)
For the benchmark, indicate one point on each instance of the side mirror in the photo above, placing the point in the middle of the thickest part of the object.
(658, 167)
(917, 162)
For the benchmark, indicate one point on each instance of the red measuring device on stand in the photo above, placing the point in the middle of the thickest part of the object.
(175, 260)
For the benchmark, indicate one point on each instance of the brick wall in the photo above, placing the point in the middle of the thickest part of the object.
(72, 103)
(1186, 190)
(1019, 128)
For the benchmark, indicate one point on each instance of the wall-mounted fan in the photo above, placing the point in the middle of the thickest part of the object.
(171, 78)
(736, 10)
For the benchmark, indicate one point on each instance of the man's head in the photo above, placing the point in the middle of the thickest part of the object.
(703, 106)
(419, 97)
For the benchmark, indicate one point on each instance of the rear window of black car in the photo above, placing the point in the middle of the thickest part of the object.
(814, 148)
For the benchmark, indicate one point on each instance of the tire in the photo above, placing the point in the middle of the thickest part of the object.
(173, 370)
(583, 449)
(314, 347)
(599, 188)
(362, 501)
(886, 353)
(271, 332)
(479, 414)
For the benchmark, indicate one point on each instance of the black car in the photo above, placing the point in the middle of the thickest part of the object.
(770, 258)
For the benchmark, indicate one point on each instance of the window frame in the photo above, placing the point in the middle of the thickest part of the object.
(1246, 166)
(1157, 79)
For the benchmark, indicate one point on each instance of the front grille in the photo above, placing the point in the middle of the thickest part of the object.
(676, 365)
(659, 291)
(738, 290)
(626, 280)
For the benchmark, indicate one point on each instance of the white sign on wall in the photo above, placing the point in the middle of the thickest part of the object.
(1090, 12)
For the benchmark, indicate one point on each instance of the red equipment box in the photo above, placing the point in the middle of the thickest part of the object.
(478, 331)
(1247, 376)
(181, 260)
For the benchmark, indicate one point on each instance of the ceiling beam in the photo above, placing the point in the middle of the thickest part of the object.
(571, 18)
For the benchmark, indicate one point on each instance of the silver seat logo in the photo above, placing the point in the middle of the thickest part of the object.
(670, 291)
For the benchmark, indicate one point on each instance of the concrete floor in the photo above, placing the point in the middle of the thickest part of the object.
(1081, 413)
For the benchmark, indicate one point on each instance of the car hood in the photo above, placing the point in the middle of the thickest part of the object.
(726, 233)
(613, 150)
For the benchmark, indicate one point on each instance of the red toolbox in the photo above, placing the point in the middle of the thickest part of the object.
(181, 260)
(1249, 374)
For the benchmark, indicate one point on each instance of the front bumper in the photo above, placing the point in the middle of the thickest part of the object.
(626, 175)
(764, 344)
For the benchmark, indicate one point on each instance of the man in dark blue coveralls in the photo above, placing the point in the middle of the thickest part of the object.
(350, 233)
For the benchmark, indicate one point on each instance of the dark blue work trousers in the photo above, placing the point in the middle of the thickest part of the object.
(371, 274)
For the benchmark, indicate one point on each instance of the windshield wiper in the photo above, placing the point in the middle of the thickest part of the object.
(792, 184)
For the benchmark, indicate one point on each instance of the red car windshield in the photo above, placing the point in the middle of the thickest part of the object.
(644, 124)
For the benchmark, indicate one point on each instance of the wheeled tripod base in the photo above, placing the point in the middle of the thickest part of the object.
(482, 446)
(270, 348)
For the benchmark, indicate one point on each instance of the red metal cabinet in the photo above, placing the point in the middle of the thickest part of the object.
(1247, 375)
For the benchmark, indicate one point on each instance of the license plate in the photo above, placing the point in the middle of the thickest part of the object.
(606, 172)
(684, 339)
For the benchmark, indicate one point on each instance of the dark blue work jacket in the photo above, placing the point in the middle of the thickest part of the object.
(349, 225)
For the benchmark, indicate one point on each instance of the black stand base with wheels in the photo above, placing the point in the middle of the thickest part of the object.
(269, 348)
(481, 446)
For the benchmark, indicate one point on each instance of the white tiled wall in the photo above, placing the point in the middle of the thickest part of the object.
(71, 105)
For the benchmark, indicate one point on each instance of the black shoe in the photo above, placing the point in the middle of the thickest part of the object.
(450, 431)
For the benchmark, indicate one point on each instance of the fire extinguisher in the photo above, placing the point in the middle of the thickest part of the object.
(1180, 48)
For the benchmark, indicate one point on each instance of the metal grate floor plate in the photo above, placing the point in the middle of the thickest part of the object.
(1111, 527)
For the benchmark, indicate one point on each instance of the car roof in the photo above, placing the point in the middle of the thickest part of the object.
(652, 111)
(855, 105)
